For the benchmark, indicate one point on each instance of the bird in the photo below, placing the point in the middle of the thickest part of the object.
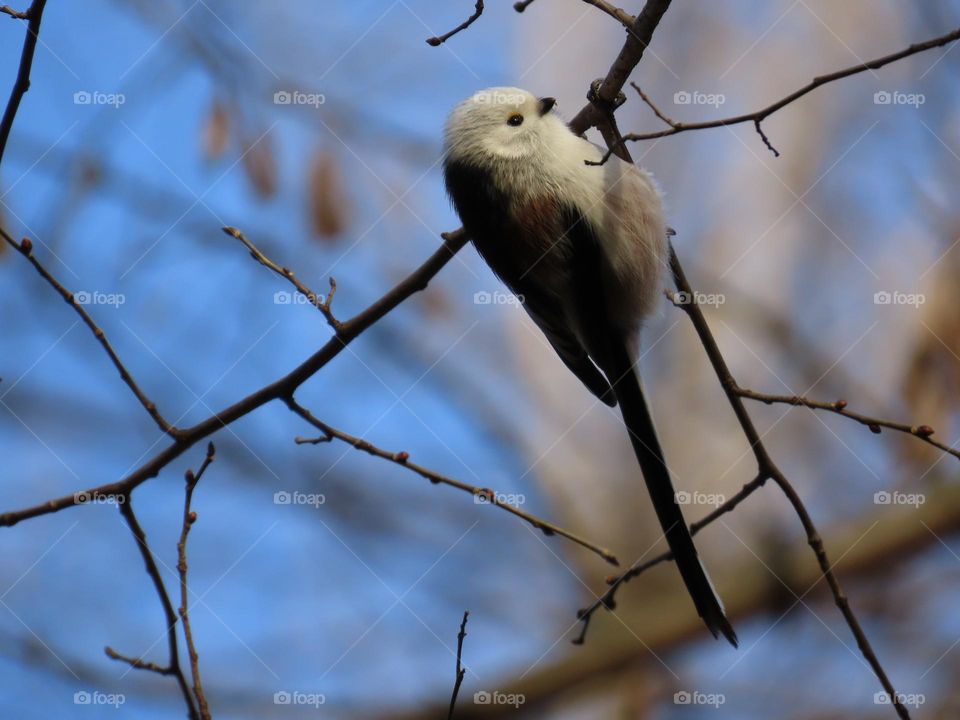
(583, 244)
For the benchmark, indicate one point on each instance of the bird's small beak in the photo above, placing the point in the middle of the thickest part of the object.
(546, 105)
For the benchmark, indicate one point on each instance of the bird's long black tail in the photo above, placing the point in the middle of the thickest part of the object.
(643, 436)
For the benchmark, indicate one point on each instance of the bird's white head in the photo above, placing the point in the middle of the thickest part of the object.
(502, 123)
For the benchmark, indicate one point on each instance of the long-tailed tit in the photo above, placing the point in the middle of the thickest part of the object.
(585, 247)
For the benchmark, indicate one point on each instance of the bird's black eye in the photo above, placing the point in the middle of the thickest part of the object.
(515, 120)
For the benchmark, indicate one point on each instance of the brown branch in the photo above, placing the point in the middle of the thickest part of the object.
(461, 671)
(173, 664)
(33, 15)
(601, 113)
(482, 495)
(618, 14)
(839, 407)
(318, 301)
(189, 518)
(759, 116)
(26, 249)
(15, 14)
(768, 469)
(478, 11)
(608, 599)
(281, 388)
(750, 591)
(639, 36)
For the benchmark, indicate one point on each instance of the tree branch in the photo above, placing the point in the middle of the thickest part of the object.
(839, 407)
(461, 671)
(638, 37)
(33, 15)
(483, 495)
(281, 388)
(189, 518)
(173, 664)
(318, 301)
(478, 11)
(26, 249)
(758, 116)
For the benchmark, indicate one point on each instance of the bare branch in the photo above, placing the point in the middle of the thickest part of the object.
(759, 116)
(478, 11)
(189, 518)
(768, 469)
(618, 14)
(34, 15)
(173, 665)
(461, 671)
(483, 495)
(607, 600)
(15, 14)
(639, 36)
(318, 301)
(26, 249)
(522, 5)
(281, 388)
(839, 407)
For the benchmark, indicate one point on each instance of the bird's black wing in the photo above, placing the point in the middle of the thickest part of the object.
(526, 246)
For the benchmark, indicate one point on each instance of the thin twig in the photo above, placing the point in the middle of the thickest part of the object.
(33, 15)
(638, 37)
(618, 14)
(461, 671)
(26, 249)
(602, 114)
(839, 407)
(768, 469)
(189, 518)
(759, 116)
(173, 664)
(477, 12)
(482, 495)
(416, 281)
(607, 600)
(522, 5)
(318, 301)
(15, 14)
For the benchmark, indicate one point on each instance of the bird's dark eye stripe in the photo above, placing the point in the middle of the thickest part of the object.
(515, 119)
